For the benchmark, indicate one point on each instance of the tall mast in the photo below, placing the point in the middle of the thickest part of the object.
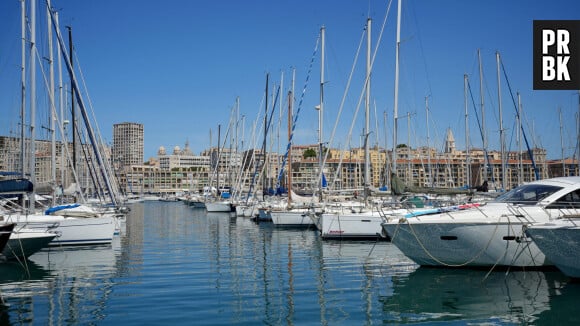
(409, 147)
(64, 140)
(367, 114)
(23, 92)
(562, 144)
(51, 97)
(89, 129)
(484, 133)
(32, 160)
(281, 96)
(396, 106)
(578, 136)
(428, 145)
(501, 131)
(520, 167)
(386, 171)
(264, 169)
(290, 120)
(72, 102)
(467, 157)
(320, 114)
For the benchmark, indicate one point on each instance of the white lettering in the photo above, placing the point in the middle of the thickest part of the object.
(548, 68)
(548, 39)
(563, 73)
(563, 40)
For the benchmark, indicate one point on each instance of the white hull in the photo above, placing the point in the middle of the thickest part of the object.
(560, 242)
(71, 231)
(489, 235)
(247, 210)
(221, 206)
(466, 244)
(297, 218)
(365, 225)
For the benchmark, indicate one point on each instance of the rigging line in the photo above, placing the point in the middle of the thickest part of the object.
(341, 107)
(100, 143)
(295, 119)
(530, 152)
(348, 86)
(486, 159)
(422, 53)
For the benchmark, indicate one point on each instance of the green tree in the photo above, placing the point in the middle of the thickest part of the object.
(308, 153)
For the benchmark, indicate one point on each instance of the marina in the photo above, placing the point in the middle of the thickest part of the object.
(175, 264)
(352, 225)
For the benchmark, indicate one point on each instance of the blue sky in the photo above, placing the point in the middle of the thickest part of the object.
(178, 66)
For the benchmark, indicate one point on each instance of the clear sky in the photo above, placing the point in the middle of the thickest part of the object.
(178, 66)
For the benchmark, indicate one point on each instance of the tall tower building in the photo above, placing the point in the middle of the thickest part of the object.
(128, 144)
(449, 142)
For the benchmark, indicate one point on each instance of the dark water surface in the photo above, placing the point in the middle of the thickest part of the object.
(175, 265)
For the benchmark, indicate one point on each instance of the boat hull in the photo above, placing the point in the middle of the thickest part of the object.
(299, 218)
(218, 207)
(465, 244)
(71, 231)
(560, 242)
(351, 226)
(23, 244)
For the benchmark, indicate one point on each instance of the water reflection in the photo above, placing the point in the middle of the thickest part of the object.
(445, 295)
(216, 269)
(69, 285)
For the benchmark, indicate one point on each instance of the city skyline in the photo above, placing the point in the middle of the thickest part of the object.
(179, 68)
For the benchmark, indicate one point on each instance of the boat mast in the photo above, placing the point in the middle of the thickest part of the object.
(52, 114)
(64, 140)
(501, 131)
(89, 129)
(409, 172)
(264, 166)
(386, 171)
(396, 105)
(467, 157)
(578, 135)
(217, 167)
(72, 102)
(320, 115)
(562, 144)
(367, 114)
(520, 167)
(32, 127)
(483, 131)
(290, 119)
(428, 143)
(23, 96)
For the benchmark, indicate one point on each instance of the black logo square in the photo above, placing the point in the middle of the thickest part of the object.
(556, 54)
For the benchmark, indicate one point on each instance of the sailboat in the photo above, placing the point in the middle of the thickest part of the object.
(292, 214)
(347, 221)
(68, 230)
(221, 204)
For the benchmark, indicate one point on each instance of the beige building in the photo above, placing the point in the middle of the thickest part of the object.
(128, 144)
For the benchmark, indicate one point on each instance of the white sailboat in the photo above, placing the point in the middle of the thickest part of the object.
(68, 230)
(291, 214)
(346, 221)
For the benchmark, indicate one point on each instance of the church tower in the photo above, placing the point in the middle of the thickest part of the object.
(449, 142)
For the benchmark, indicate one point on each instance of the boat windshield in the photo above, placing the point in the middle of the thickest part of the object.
(527, 194)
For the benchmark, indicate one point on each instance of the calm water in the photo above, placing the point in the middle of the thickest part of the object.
(174, 265)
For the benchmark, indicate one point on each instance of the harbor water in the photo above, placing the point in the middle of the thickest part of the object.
(175, 265)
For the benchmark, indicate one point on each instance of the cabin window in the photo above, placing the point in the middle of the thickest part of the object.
(528, 194)
(569, 200)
